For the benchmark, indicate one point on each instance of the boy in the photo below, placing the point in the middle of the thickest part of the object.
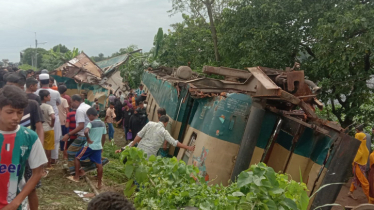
(110, 115)
(48, 124)
(95, 134)
(96, 105)
(18, 145)
(31, 87)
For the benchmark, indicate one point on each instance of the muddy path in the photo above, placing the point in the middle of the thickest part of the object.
(57, 192)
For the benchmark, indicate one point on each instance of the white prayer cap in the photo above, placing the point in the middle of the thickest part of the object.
(43, 76)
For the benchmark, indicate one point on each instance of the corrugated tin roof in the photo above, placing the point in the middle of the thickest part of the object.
(82, 61)
(109, 64)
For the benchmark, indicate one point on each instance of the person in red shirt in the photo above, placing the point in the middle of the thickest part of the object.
(71, 124)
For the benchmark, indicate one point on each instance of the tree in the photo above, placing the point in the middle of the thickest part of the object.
(26, 67)
(98, 58)
(132, 70)
(332, 40)
(61, 48)
(28, 56)
(128, 49)
(203, 9)
(157, 42)
(188, 42)
(53, 59)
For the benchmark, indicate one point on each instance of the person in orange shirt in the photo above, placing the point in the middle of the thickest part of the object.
(52, 84)
(359, 165)
(133, 102)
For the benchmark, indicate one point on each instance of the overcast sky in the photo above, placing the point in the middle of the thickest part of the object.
(94, 26)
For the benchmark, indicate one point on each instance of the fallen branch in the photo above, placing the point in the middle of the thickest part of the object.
(92, 186)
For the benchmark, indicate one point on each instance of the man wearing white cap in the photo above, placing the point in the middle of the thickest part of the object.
(54, 102)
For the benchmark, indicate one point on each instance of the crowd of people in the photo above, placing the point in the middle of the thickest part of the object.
(39, 120)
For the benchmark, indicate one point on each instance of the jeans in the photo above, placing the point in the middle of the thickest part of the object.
(110, 131)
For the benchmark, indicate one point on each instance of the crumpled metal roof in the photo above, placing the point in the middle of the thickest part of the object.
(81, 68)
(110, 64)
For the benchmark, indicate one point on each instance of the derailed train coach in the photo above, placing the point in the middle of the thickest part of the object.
(259, 115)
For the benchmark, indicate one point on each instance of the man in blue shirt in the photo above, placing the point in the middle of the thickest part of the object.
(95, 134)
(140, 91)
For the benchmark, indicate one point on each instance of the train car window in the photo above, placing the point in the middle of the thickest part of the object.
(188, 154)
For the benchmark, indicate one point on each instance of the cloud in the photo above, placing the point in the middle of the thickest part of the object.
(94, 26)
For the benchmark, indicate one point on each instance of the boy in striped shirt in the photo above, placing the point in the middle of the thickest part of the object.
(95, 134)
(18, 145)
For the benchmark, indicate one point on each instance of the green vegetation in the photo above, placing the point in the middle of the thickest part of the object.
(26, 67)
(50, 60)
(166, 183)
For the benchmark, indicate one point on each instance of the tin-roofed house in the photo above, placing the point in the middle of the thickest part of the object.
(83, 75)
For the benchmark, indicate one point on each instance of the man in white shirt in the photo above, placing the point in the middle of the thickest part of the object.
(152, 137)
(81, 120)
(54, 102)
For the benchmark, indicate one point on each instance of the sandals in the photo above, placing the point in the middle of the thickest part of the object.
(71, 178)
(45, 174)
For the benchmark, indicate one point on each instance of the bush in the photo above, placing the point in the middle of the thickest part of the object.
(166, 183)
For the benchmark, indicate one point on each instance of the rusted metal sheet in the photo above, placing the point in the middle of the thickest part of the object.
(312, 126)
(295, 78)
(81, 62)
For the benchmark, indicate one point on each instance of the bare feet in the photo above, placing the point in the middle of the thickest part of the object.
(54, 162)
(99, 185)
(350, 194)
(82, 173)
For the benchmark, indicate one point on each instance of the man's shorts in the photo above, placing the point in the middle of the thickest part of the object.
(49, 140)
(93, 155)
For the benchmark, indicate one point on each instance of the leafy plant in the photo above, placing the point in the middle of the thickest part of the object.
(166, 183)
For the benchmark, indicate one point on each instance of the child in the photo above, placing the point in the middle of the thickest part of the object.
(110, 115)
(110, 200)
(71, 124)
(95, 134)
(48, 124)
(96, 105)
(18, 145)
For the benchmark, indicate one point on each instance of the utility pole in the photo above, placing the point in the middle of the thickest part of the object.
(36, 53)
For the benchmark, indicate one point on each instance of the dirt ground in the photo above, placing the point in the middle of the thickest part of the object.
(344, 200)
(57, 192)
